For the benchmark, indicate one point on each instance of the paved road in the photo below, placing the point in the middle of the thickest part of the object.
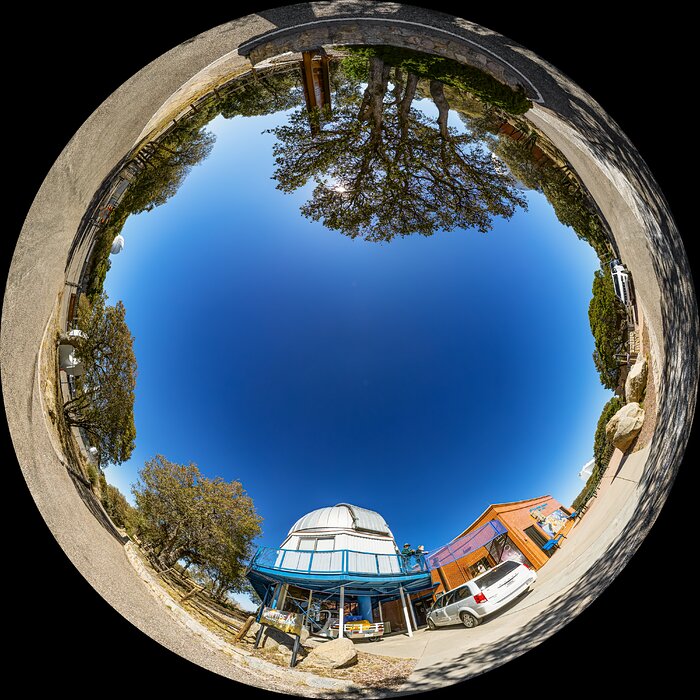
(620, 182)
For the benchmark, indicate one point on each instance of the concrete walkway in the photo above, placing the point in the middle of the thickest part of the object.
(451, 654)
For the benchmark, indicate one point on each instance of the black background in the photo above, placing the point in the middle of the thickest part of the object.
(636, 65)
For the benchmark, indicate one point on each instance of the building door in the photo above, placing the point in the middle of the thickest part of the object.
(421, 612)
(504, 549)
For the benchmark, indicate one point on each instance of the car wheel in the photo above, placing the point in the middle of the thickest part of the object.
(431, 624)
(468, 620)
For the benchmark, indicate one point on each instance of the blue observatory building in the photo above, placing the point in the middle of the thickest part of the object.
(340, 558)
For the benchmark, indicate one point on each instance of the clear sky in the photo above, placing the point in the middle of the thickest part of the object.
(425, 378)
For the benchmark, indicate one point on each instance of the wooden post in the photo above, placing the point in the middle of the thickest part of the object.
(341, 613)
(405, 612)
(246, 626)
(196, 589)
(379, 607)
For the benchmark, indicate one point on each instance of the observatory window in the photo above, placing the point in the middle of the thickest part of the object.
(319, 544)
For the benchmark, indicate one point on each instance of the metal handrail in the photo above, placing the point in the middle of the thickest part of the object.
(398, 564)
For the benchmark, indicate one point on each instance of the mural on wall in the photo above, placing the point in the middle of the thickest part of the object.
(552, 523)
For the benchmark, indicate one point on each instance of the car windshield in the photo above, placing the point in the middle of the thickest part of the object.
(495, 575)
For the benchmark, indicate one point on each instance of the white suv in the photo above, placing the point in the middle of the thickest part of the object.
(485, 594)
(621, 282)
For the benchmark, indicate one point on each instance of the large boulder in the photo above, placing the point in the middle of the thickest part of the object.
(625, 425)
(338, 653)
(636, 381)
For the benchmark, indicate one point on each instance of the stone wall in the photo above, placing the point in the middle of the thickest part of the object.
(353, 32)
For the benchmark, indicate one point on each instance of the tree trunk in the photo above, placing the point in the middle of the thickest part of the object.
(405, 104)
(438, 94)
(373, 99)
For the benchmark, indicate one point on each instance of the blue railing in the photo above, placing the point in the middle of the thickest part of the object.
(338, 561)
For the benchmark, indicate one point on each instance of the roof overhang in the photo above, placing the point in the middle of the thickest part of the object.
(261, 579)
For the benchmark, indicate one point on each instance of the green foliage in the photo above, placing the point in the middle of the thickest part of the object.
(602, 451)
(93, 474)
(585, 494)
(383, 169)
(104, 401)
(265, 95)
(122, 513)
(570, 202)
(165, 164)
(445, 70)
(602, 447)
(209, 523)
(608, 320)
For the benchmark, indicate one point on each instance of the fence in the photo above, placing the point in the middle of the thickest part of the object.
(339, 561)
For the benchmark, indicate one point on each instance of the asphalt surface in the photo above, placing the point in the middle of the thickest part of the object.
(621, 183)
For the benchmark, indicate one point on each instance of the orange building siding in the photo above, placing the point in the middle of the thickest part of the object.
(516, 518)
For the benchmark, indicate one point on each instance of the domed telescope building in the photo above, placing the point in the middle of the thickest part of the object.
(338, 555)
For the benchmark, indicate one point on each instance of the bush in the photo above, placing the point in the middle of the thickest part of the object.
(602, 447)
(584, 495)
(570, 201)
(608, 319)
(93, 474)
(602, 451)
(445, 70)
(117, 507)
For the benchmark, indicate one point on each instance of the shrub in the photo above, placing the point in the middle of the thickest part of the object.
(602, 447)
(608, 320)
(602, 451)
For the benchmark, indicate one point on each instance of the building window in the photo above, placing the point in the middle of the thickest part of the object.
(318, 544)
(479, 567)
(538, 538)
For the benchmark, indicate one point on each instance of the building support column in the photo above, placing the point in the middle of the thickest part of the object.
(308, 610)
(365, 604)
(381, 613)
(281, 596)
(341, 613)
(413, 612)
(405, 612)
(275, 596)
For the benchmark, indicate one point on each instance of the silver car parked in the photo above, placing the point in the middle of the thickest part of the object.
(483, 595)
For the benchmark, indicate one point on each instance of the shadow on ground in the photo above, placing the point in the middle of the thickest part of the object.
(94, 506)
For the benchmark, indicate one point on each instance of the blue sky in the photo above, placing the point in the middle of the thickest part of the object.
(425, 378)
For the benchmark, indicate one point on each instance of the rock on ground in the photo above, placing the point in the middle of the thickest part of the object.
(338, 653)
(636, 381)
(625, 425)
